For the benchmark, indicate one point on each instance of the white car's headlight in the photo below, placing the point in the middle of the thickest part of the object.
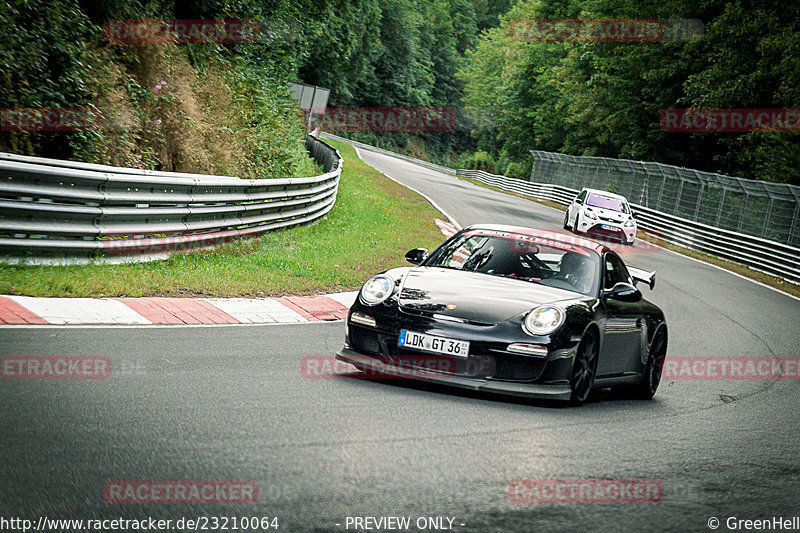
(377, 289)
(589, 214)
(544, 319)
(630, 223)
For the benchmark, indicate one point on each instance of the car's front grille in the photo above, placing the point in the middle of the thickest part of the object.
(364, 341)
(485, 361)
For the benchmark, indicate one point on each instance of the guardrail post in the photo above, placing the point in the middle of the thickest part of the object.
(794, 223)
(678, 198)
(699, 200)
(766, 218)
(721, 203)
(661, 190)
(744, 208)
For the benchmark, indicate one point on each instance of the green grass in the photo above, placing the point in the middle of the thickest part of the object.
(766, 279)
(374, 222)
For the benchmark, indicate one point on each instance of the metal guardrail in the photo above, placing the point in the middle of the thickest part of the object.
(54, 211)
(363, 146)
(757, 253)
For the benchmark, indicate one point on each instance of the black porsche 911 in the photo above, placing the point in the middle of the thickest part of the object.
(511, 310)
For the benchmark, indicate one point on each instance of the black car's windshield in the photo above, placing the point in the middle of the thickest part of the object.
(523, 257)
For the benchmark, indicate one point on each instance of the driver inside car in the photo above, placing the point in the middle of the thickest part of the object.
(576, 270)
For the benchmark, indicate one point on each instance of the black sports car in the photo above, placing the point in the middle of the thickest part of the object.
(511, 310)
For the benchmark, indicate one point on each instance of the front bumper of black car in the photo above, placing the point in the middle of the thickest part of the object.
(528, 390)
(490, 366)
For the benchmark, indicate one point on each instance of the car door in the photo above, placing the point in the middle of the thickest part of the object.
(575, 209)
(621, 345)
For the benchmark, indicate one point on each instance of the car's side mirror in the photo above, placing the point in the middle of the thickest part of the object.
(624, 292)
(416, 256)
(578, 201)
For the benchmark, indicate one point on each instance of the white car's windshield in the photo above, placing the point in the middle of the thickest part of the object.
(607, 202)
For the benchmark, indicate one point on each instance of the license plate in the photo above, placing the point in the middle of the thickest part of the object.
(433, 344)
(606, 226)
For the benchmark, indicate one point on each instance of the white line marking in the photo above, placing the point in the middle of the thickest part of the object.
(728, 271)
(430, 200)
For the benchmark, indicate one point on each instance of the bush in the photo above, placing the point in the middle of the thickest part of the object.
(478, 161)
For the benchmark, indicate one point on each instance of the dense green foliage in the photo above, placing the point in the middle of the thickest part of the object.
(398, 53)
(232, 114)
(194, 107)
(596, 98)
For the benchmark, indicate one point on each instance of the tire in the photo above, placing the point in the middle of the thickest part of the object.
(651, 377)
(584, 369)
(566, 220)
(574, 227)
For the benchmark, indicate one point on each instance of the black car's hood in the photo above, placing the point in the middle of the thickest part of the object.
(476, 297)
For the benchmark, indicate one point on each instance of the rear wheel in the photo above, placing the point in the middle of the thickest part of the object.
(655, 364)
(584, 369)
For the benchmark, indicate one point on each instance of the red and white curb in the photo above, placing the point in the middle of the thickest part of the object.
(177, 311)
(143, 311)
(448, 230)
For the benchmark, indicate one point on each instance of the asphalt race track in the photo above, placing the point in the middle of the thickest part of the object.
(231, 403)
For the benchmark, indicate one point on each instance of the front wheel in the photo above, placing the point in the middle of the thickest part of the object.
(566, 220)
(584, 369)
(655, 364)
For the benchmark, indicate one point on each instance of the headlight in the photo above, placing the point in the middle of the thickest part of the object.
(377, 289)
(630, 223)
(589, 214)
(544, 319)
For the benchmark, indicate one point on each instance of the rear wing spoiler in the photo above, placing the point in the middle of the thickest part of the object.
(645, 276)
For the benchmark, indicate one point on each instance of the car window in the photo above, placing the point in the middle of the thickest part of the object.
(607, 202)
(614, 271)
(523, 257)
(582, 196)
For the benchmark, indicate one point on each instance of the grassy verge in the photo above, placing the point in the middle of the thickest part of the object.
(766, 279)
(374, 222)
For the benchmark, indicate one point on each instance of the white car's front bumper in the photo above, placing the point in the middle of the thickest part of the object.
(603, 227)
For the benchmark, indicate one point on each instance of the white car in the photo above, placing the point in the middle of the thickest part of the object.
(603, 213)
